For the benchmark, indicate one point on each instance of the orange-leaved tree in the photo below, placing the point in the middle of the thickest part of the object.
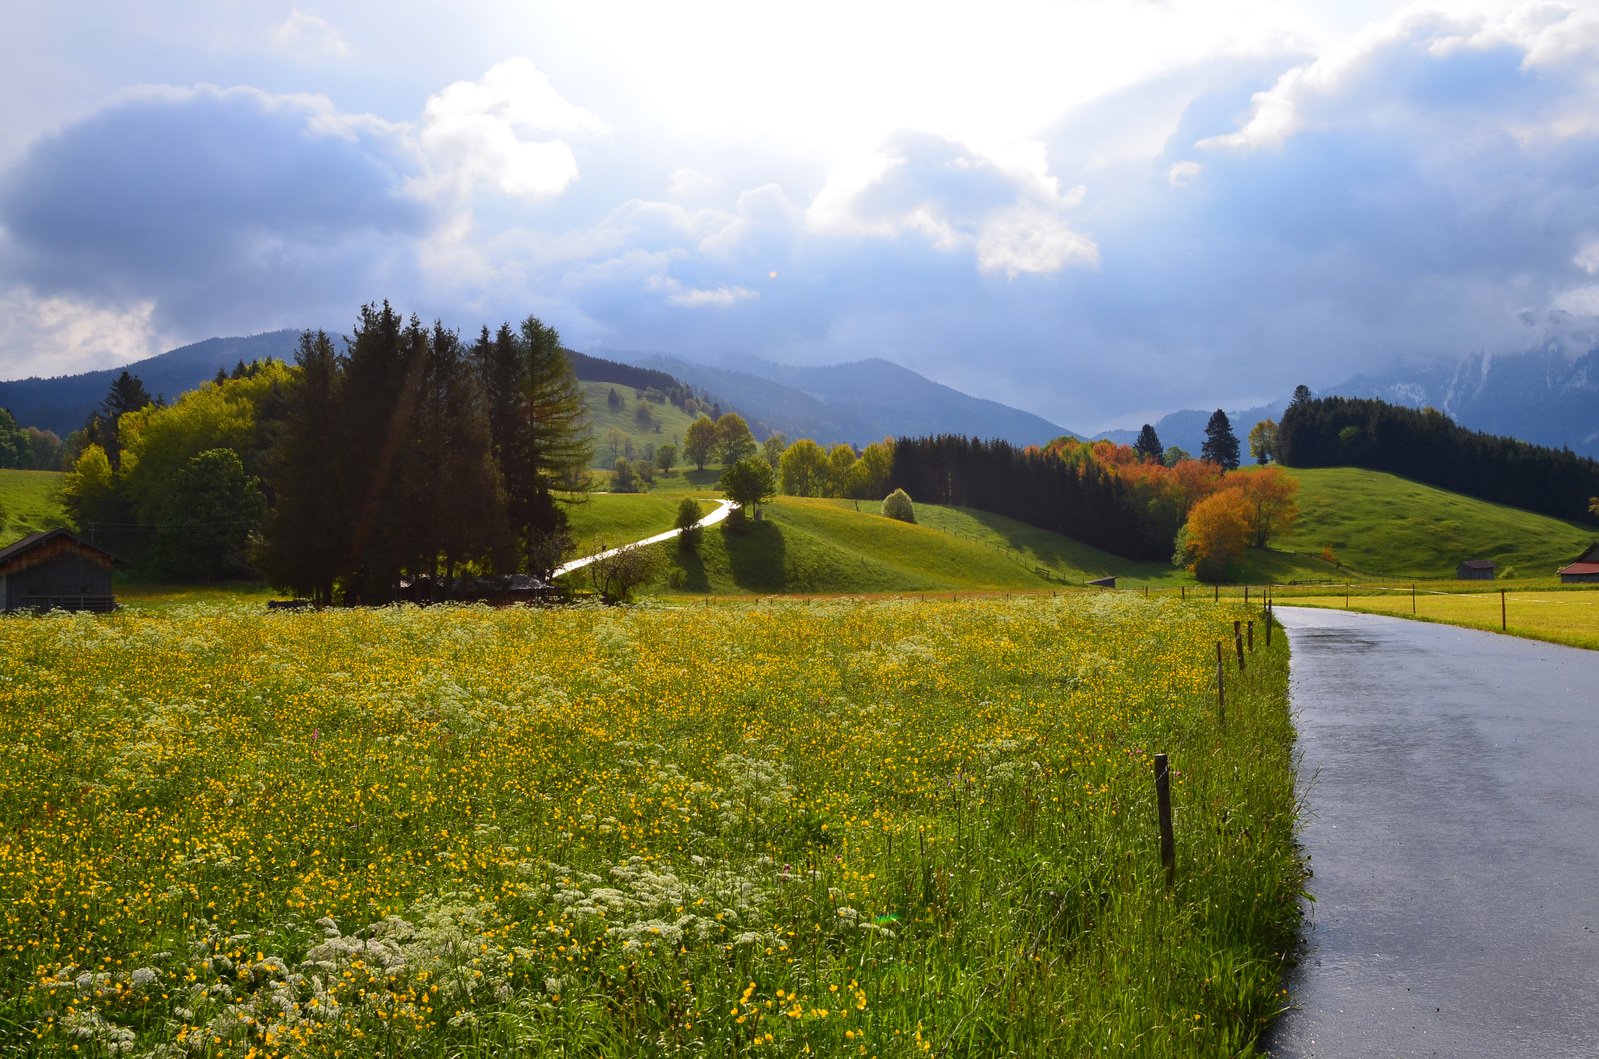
(1216, 534)
(1269, 493)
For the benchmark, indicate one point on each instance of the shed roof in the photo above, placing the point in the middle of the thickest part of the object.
(1480, 564)
(13, 554)
(1580, 568)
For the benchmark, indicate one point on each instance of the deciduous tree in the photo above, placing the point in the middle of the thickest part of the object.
(803, 469)
(699, 441)
(1215, 535)
(733, 439)
(1263, 441)
(748, 482)
(212, 511)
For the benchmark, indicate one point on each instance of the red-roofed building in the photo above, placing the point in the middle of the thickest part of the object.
(1585, 569)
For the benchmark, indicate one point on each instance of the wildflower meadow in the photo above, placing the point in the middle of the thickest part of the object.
(843, 827)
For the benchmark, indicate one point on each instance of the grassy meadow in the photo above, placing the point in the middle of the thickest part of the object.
(1383, 525)
(1568, 616)
(841, 827)
(30, 501)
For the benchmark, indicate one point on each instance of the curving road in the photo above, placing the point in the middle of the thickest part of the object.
(1453, 831)
(723, 509)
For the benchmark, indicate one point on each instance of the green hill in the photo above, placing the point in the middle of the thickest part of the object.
(1384, 525)
(625, 431)
(30, 501)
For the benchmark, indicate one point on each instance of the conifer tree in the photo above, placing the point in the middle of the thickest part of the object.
(1221, 444)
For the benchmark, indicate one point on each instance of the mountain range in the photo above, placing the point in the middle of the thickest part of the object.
(1548, 395)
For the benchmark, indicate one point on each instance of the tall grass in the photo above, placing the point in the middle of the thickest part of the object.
(831, 828)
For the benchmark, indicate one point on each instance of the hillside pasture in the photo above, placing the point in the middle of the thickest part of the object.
(883, 828)
(30, 501)
(1384, 525)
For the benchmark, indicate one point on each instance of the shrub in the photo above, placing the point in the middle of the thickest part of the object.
(898, 505)
(688, 517)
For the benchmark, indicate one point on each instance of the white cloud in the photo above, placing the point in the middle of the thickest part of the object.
(1005, 208)
(495, 131)
(45, 336)
(1183, 173)
(307, 35)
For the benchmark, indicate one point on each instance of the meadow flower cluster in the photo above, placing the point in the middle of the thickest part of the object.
(802, 827)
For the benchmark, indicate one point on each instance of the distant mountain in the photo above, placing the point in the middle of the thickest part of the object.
(858, 403)
(64, 402)
(1546, 396)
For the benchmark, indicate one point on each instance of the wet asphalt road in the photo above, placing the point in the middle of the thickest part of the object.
(1453, 831)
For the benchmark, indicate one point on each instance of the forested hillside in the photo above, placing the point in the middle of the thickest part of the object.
(1427, 446)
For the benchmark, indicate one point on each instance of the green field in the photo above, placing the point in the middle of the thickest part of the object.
(883, 828)
(1379, 524)
(667, 425)
(30, 501)
(1569, 617)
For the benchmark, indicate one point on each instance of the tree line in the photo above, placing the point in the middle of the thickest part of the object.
(407, 454)
(1427, 446)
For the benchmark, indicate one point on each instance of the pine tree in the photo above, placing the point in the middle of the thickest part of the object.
(1221, 444)
(307, 537)
(1148, 445)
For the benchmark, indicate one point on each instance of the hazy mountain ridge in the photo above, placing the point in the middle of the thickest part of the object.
(857, 402)
(1547, 396)
(63, 403)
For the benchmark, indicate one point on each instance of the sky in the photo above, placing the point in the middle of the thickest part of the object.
(1096, 210)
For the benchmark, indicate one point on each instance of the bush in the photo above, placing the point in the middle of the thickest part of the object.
(898, 505)
(688, 517)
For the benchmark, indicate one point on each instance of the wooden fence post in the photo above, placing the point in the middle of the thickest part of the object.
(1168, 845)
(1502, 627)
(1246, 595)
(1216, 594)
(1268, 623)
(1412, 600)
(1238, 643)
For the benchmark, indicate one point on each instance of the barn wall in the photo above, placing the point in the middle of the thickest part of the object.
(64, 577)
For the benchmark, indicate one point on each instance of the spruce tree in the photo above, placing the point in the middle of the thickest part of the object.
(1221, 444)
(1148, 445)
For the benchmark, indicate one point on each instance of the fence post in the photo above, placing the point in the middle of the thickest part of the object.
(1268, 623)
(1216, 594)
(1168, 845)
(1412, 600)
(1238, 643)
(1246, 595)
(1502, 610)
(1185, 592)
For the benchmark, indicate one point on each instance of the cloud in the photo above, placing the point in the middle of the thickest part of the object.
(1012, 217)
(306, 35)
(47, 336)
(218, 207)
(487, 132)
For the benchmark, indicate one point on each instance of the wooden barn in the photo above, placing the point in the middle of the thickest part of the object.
(1476, 570)
(1584, 570)
(55, 570)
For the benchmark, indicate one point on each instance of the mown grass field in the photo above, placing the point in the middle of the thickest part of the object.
(1384, 525)
(833, 828)
(1568, 617)
(30, 501)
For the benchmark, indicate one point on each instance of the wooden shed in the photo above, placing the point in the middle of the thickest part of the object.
(1476, 570)
(55, 570)
(1584, 570)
